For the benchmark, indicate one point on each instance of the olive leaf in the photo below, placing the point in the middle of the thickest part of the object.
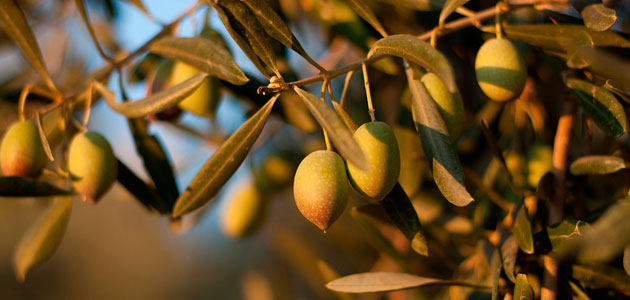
(373, 282)
(42, 238)
(86, 19)
(419, 52)
(495, 269)
(436, 143)
(449, 7)
(578, 56)
(145, 194)
(599, 17)
(14, 23)
(156, 102)
(43, 138)
(14, 186)
(377, 237)
(338, 132)
(561, 235)
(223, 163)
(277, 28)
(363, 9)
(578, 292)
(401, 212)
(523, 229)
(509, 251)
(204, 54)
(602, 277)
(601, 105)
(523, 290)
(345, 117)
(597, 164)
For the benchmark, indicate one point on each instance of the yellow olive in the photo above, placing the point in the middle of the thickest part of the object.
(500, 70)
(320, 188)
(380, 147)
(21, 152)
(92, 165)
(275, 173)
(243, 213)
(202, 102)
(449, 104)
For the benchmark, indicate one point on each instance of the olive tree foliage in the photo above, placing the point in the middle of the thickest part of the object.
(501, 127)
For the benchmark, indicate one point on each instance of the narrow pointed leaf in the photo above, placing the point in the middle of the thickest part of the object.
(363, 9)
(389, 281)
(523, 229)
(599, 17)
(345, 117)
(204, 54)
(597, 164)
(523, 290)
(401, 212)
(449, 7)
(86, 19)
(436, 143)
(44, 139)
(145, 194)
(377, 237)
(43, 238)
(15, 186)
(561, 235)
(13, 22)
(601, 105)
(602, 277)
(495, 269)
(156, 102)
(509, 251)
(141, 7)
(578, 292)
(419, 52)
(223, 163)
(338, 132)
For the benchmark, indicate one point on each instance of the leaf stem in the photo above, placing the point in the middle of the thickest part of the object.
(22, 101)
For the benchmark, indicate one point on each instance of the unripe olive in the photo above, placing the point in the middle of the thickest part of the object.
(243, 213)
(380, 147)
(21, 152)
(320, 188)
(202, 102)
(500, 70)
(275, 173)
(449, 104)
(92, 165)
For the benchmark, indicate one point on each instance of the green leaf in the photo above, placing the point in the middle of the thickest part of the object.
(345, 117)
(389, 281)
(419, 52)
(338, 132)
(562, 234)
(43, 138)
(86, 19)
(13, 22)
(523, 290)
(156, 102)
(602, 277)
(436, 143)
(43, 238)
(277, 28)
(377, 237)
(626, 259)
(204, 54)
(578, 56)
(523, 229)
(363, 9)
(597, 164)
(599, 17)
(601, 105)
(15, 186)
(223, 163)
(449, 7)
(509, 250)
(401, 212)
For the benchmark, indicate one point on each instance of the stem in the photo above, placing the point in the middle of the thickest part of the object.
(344, 93)
(88, 104)
(323, 97)
(22, 101)
(368, 94)
(497, 20)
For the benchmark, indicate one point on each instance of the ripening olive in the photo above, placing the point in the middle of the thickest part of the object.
(243, 213)
(500, 70)
(320, 188)
(21, 152)
(202, 102)
(449, 104)
(92, 165)
(380, 147)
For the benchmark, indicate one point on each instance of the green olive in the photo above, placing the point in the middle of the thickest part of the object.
(202, 102)
(378, 142)
(320, 188)
(21, 152)
(449, 104)
(92, 165)
(243, 213)
(500, 70)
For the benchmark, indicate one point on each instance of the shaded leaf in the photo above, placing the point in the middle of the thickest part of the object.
(44, 139)
(156, 102)
(523, 290)
(401, 212)
(86, 19)
(363, 9)
(495, 269)
(345, 117)
(597, 164)
(204, 54)
(602, 277)
(599, 17)
(377, 237)
(43, 238)
(509, 250)
(494, 147)
(338, 132)
(449, 7)
(13, 22)
(436, 143)
(561, 235)
(14, 186)
(601, 105)
(578, 292)
(626, 259)
(523, 229)
(144, 193)
(223, 163)
(578, 56)
(389, 281)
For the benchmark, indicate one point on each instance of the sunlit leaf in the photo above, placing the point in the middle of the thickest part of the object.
(449, 7)
(523, 229)
(363, 9)
(86, 19)
(204, 54)
(156, 102)
(578, 292)
(223, 163)
(597, 164)
(602, 277)
(401, 212)
(329, 274)
(43, 238)
(338, 132)
(437, 145)
(345, 117)
(389, 281)
(601, 105)
(419, 52)
(13, 22)
(44, 139)
(509, 250)
(562, 234)
(599, 17)
(523, 290)
(577, 50)
(15, 186)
